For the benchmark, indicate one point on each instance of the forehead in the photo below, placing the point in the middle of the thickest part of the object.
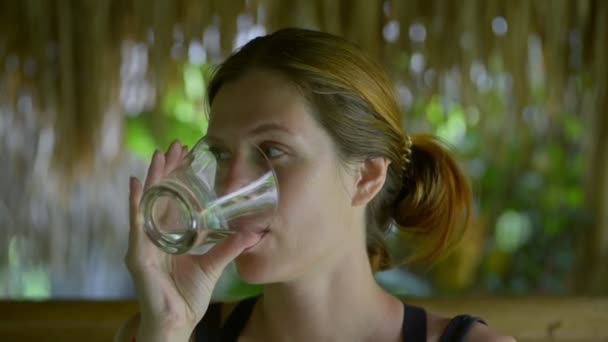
(258, 97)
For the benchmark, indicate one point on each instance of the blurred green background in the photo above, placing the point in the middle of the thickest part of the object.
(519, 89)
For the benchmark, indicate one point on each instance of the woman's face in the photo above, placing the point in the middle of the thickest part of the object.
(314, 220)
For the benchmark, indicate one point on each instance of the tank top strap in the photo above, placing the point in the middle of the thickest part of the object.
(458, 328)
(237, 320)
(208, 329)
(414, 324)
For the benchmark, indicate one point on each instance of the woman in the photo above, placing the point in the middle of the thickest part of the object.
(327, 118)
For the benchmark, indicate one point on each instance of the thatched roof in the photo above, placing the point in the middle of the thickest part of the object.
(67, 54)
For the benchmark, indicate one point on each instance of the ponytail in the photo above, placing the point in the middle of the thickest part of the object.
(434, 207)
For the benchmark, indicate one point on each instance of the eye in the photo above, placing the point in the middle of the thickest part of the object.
(219, 154)
(272, 152)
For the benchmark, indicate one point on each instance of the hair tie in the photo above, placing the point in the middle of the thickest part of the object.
(407, 152)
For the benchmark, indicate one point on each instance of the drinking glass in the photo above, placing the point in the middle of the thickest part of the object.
(210, 197)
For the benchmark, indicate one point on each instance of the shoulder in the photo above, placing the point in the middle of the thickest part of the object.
(437, 325)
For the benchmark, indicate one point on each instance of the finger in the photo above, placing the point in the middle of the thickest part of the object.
(184, 151)
(135, 194)
(214, 261)
(182, 158)
(173, 157)
(140, 247)
(156, 169)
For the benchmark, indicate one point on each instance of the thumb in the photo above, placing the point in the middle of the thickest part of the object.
(213, 262)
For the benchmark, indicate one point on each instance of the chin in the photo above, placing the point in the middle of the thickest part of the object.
(255, 265)
(254, 269)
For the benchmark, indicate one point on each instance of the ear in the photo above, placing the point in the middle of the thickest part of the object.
(370, 179)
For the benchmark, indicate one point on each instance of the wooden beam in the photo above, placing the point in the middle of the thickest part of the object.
(526, 318)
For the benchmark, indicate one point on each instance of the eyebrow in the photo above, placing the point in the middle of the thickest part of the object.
(263, 128)
(268, 127)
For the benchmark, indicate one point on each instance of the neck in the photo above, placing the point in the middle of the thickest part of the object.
(341, 302)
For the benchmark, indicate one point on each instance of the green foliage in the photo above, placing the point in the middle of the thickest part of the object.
(526, 168)
(183, 117)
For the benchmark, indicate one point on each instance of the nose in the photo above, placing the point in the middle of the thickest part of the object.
(234, 174)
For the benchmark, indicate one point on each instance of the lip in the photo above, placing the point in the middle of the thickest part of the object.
(247, 228)
(252, 224)
(263, 233)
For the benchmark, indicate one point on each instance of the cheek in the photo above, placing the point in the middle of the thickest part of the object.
(309, 193)
(312, 210)
(300, 231)
(311, 224)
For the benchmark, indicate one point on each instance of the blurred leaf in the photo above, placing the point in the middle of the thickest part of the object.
(574, 197)
(455, 128)
(194, 83)
(573, 128)
(187, 133)
(553, 226)
(36, 284)
(141, 142)
(497, 262)
(434, 112)
(513, 229)
(556, 155)
(138, 137)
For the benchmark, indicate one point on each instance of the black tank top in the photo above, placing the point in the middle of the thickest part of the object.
(414, 324)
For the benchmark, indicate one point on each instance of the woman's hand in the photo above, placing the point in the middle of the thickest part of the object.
(173, 290)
